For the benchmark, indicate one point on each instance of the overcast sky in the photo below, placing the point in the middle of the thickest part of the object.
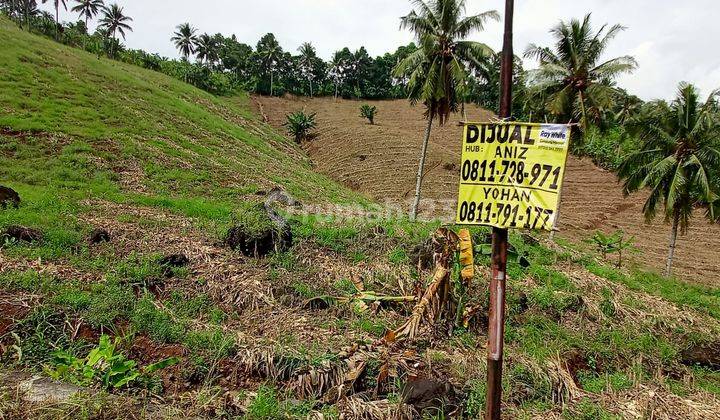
(672, 41)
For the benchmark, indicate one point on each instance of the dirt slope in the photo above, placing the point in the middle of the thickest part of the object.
(381, 161)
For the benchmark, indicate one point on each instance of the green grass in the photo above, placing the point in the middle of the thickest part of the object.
(88, 123)
(133, 113)
(701, 298)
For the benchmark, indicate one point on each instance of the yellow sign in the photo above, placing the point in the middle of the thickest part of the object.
(511, 174)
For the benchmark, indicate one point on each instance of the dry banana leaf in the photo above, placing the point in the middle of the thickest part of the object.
(466, 256)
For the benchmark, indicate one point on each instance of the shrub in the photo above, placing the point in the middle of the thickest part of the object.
(369, 112)
(299, 125)
(103, 364)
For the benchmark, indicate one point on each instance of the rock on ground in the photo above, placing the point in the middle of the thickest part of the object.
(9, 197)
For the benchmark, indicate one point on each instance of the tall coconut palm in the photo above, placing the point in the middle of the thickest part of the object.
(270, 54)
(338, 70)
(114, 21)
(571, 77)
(678, 161)
(57, 4)
(88, 9)
(206, 49)
(308, 56)
(185, 39)
(438, 69)
(21, 9)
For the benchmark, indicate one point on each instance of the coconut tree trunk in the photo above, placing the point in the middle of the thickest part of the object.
(582, 110)
(421, 167)
(673, 241)
(271, 83)
(311, 92)
(57, 19)
(336, 90)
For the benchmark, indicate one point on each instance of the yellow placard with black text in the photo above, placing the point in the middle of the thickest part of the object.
(511, 174)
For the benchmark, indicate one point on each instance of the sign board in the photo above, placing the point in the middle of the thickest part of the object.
(511, 174)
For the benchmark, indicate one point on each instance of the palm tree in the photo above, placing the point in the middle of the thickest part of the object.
(437, 70)
(270, 53)
(185, 39)
(22, 9)
(88, 9)
(307, 59)
(571, 77)
(57, 4)
(678, 161)
(114, 20)
(338, 65)
(206, 49)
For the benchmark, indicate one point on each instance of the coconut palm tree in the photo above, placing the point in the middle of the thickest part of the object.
(114, 21)
(206, 49)
(88, 9)
(308, 56)
(571, 77)
(270, 53)
(185, 39)
(338, 70)
(679, 162)
(20, 9)
(57, 4)
(438, 69)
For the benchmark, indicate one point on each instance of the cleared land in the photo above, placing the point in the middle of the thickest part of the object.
(381, 161)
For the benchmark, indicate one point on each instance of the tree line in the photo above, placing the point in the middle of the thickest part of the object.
(222, 64)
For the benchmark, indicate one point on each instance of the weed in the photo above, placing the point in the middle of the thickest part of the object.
(611, 382)
(108, 303)
(103, 364)
(588, 410)
(375, 327)
(265, 405)
(158, 324)
(475, 402)
(398, 256)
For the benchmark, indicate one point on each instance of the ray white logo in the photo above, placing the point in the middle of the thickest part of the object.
(554, 133)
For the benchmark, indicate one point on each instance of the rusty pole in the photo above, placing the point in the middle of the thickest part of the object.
(496, 328)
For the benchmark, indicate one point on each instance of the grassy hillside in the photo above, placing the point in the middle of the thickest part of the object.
(166, 169)
(157, 133)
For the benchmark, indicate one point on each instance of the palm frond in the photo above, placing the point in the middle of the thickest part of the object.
(474, 23)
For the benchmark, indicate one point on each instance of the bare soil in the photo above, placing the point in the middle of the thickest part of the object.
(381, 161)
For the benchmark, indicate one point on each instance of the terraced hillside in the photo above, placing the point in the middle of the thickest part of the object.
(381, 161)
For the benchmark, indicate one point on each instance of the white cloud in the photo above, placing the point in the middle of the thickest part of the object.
(673, 41)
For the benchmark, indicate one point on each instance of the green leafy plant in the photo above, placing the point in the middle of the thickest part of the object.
(615, 243)
(369, 112)
(299, 124)
(104, 365)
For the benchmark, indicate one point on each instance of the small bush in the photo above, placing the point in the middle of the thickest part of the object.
(299, 125)
(104, 364)
(369, 112)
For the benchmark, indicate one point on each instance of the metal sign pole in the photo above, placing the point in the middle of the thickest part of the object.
(496, 328)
